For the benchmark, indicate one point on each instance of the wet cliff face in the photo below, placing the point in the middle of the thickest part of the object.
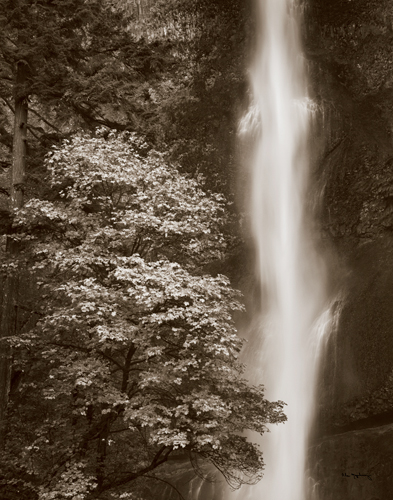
(348, 45)
(356, 465)
(349, 48)
(356, 380)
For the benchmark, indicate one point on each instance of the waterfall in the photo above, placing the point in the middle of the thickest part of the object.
(291, 273)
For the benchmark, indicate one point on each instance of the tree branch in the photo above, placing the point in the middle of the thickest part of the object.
(28, 309)
(158, 460)
(92, 120)
(30, 129)
(127, 366)
(6, 139)
(95, 431)
(44, 120)
(5, 77)
(8, 104)
(86, 349)
(168, 483)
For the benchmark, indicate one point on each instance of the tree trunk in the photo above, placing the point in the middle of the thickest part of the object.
(20, 142)
(8, 326)
(101, 454)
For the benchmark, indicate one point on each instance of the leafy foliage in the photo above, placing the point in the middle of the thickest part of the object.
(80, 55)
(82, 67)
(134, 358)
(174, 73)
(374, 403)
(192, 109)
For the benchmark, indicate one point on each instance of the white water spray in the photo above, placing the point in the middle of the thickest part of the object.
(291, 273)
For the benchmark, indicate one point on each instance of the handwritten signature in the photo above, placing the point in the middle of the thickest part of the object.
(356, 476)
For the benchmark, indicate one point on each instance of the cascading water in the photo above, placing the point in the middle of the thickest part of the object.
(291, 273)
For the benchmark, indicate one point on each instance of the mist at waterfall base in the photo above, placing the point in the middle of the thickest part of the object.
(284, 349)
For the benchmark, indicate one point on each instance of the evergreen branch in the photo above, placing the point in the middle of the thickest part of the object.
(31, 130)
(5, 77)
(12, 41)
(6, 139)
(90, 119)
(44, 120)
(8, 104)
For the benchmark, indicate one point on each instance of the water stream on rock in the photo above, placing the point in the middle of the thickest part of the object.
(284, 352)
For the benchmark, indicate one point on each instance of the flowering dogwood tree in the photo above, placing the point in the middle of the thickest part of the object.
(136, 346)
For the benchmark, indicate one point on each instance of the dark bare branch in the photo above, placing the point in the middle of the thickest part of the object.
(44, 120)
(87, 350)
(160, 458)
(168, 483)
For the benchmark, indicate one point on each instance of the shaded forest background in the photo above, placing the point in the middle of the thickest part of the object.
(119, 349)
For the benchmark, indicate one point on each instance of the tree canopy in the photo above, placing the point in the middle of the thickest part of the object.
(172, 72)
(133, 356)
(79, 56)
(120, 353)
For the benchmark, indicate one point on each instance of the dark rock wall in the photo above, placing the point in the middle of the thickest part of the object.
(355, 381)
(349, 45)
(355, 465)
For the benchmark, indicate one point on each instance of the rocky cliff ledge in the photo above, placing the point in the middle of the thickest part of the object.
(355, 465)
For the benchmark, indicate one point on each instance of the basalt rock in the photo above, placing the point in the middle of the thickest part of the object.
(356, 379)
(355, 465)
